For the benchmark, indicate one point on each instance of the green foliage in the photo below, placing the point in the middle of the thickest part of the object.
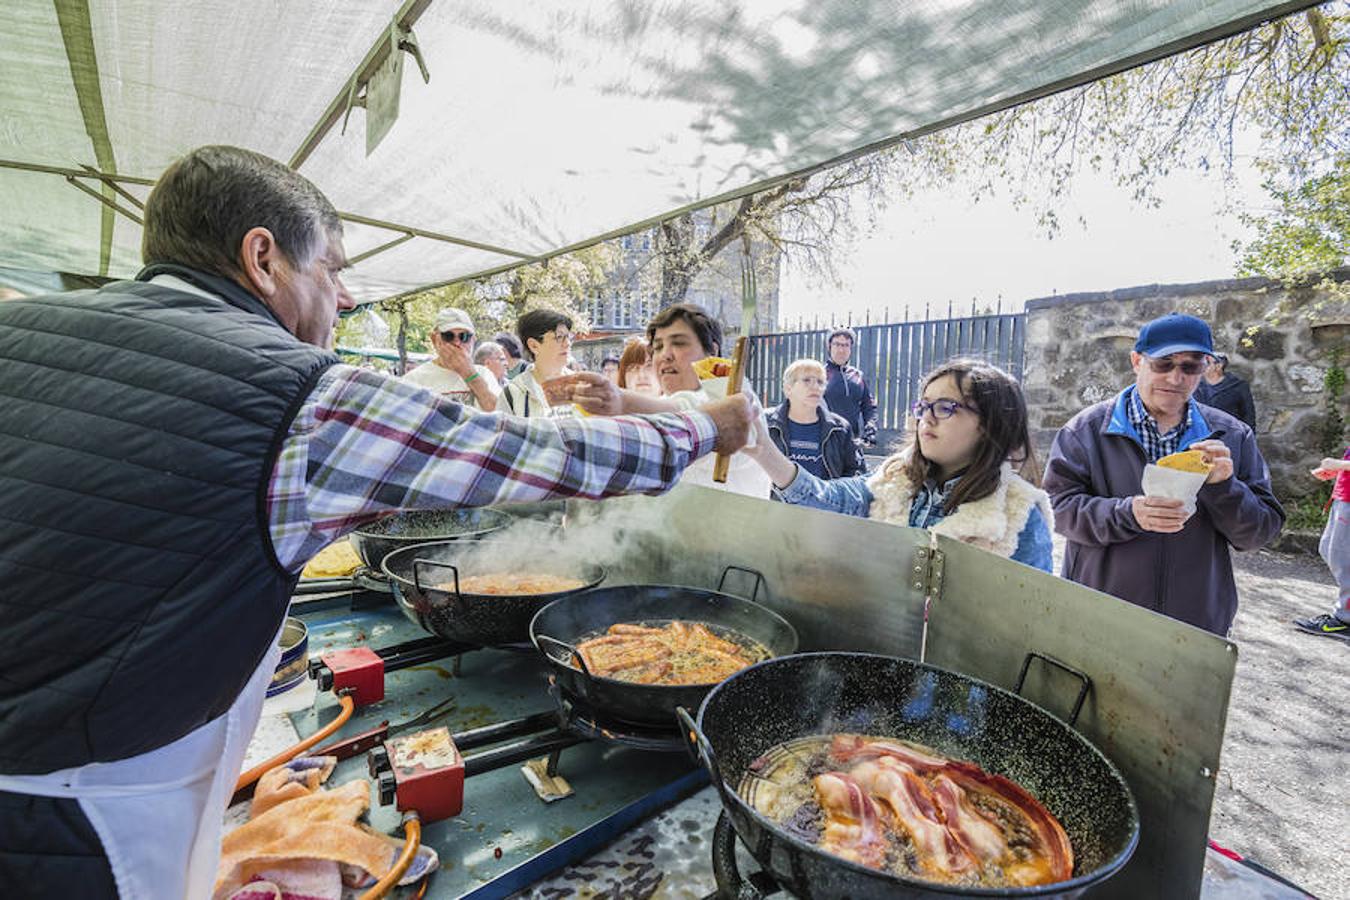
(564, 283)
(1284, 83)
(1309, 232)
(1308, 513)
(1333, 426)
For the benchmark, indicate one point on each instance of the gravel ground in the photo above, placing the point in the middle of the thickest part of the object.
(1281, 799)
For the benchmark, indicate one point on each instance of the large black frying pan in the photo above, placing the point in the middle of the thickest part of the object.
(376, 540)
(960, 717)
(418, 572)
(562, 624)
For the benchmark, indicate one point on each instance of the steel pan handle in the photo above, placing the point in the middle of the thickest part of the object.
(339, 584)
(699, 748)
(570, 652)
(758, 576)
(417, 581)
(1051, 661)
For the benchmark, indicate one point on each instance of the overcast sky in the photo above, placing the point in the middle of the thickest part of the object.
(942, 247)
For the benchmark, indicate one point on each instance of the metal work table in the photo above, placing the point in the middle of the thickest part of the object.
(1157, 705)
(506, 838)
(639, 825)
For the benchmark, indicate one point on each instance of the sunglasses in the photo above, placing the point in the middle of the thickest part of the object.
(462, 337)
(942, 409)
(1167, 364)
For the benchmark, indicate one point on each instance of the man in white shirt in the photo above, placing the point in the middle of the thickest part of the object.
(453, 372)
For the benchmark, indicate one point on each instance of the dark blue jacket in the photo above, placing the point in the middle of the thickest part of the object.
(138, 428)
(1096, 466)
(847, 395)
(840, 454)
(1232, 395)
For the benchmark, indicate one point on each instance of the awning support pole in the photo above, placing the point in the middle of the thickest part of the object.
(105, 200)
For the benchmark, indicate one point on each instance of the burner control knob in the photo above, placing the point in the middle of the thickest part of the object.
(388, 788)
(321, 674)
(378, 761)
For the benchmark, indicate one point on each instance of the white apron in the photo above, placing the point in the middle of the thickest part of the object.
(158, 815)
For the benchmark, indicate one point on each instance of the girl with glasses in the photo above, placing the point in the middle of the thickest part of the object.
(956, 473)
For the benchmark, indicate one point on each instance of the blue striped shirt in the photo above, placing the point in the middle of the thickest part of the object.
(1156, 445)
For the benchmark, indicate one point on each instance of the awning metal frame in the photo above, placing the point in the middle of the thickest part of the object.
(77, 35)
(113, 179)
(107, 201)
(403, 21)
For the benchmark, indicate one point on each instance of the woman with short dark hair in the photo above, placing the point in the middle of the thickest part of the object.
(546, 336)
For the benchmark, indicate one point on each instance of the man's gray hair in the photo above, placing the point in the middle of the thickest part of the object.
(204, 204)
(486, 349)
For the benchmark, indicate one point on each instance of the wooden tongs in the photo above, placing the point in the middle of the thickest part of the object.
(723, 462)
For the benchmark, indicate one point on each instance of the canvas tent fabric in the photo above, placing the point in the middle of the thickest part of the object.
(545, 124)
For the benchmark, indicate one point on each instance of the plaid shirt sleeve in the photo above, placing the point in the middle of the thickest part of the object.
(364, 444)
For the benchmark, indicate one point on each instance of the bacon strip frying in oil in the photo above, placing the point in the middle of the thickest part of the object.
(852, 829)
(932, 801)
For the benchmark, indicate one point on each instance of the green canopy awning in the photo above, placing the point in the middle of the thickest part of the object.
(545, 125)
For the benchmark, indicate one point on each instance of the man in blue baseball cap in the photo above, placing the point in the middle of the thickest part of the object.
(1150, 550)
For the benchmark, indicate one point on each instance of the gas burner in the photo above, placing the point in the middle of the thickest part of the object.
(589, 723)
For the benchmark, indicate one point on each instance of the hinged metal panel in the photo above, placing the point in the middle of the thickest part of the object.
(1158, 701)
(1157, 705)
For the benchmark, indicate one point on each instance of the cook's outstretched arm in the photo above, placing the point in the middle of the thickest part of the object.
(364, 444)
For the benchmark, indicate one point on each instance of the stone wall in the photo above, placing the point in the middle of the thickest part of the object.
(1078, 353)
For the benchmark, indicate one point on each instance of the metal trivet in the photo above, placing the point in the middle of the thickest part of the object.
(580, 719)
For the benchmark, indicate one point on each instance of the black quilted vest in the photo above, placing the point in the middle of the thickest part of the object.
(138, 584)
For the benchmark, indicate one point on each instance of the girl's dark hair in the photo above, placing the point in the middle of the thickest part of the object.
(536, 323)
(1004, 432)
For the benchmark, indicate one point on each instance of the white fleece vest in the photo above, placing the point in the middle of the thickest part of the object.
(993, 523)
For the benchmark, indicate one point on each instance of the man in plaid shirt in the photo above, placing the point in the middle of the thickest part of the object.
(176, 448)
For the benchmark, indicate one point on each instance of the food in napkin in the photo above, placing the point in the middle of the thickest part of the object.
(712, 367)
(336, 560)
(1186, 461)
(1178, 476)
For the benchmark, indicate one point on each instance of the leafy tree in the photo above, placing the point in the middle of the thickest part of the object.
(1308, 234)
(809, 220)
(1284, 86)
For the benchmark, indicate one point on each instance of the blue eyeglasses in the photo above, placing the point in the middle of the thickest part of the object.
(942, 409)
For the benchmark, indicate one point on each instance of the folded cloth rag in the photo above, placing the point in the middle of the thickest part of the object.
(306, 842)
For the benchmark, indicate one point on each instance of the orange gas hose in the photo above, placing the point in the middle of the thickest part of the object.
(412, 837)
(291, 753)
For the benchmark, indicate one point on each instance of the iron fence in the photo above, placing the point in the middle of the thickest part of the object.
(894, 357)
